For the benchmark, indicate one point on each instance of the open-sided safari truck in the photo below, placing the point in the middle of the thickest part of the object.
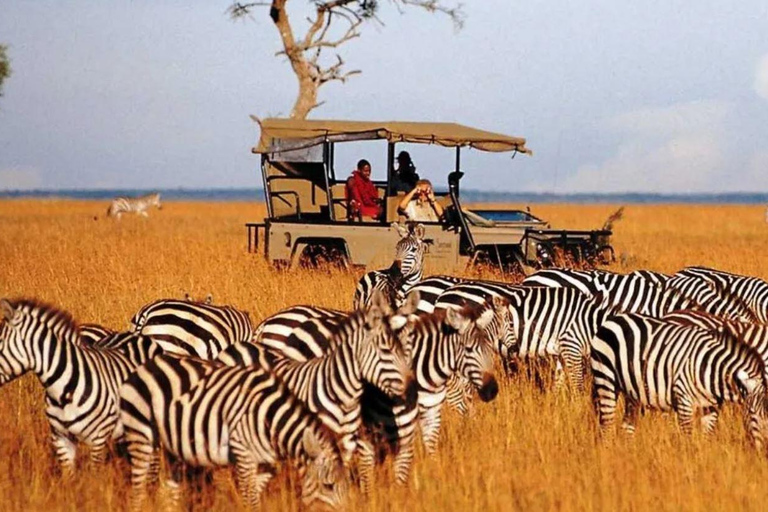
(308, 212)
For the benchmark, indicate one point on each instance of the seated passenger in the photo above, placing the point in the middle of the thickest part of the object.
(404, 177)
(362, 194)
(420, 205)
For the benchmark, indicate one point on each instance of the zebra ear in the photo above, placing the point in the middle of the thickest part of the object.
(397, 322)
(187, 297)
(311, 444)
(457, 320)
(209, 299)
(745, 383)
(411, 303)
(499, 303)
(419, 231)
(402, 231)
(8, 311)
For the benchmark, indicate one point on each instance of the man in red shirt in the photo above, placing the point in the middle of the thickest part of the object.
(362, 194)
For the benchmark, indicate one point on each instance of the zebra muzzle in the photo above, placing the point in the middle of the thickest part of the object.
(489, 389)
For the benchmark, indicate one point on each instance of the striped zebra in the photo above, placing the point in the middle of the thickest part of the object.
(138, 205)
(81, 383)
(204, 414)
(192, 328)
(442, 343)
(326, 365)
(646, 292)
(657, 364)
(439, 345)
(405, 272)
(752, 291)
(429, 290)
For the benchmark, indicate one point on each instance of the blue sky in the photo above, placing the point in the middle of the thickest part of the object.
(655, 96)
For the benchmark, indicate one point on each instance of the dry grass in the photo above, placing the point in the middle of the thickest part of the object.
(526, 450)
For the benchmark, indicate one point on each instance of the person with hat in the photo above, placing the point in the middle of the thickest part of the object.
(405, 177)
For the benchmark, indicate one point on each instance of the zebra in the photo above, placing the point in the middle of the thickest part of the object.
(442, 343)
(644, 292)
(658, 364)
(139, 205)
(752, 291)
(429, 290)
(192, 328)
(545, 323)
(405, 272)
(437, 350)
(81, 383)
(360, 347)
(203, 413)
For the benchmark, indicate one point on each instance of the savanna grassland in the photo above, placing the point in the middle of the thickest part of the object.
(526, 451)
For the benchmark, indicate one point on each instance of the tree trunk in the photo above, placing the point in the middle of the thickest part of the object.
(308, 85)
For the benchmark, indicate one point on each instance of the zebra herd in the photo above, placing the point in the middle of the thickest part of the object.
(194, 384)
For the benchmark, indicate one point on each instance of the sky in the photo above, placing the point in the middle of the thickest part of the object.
(655, 96)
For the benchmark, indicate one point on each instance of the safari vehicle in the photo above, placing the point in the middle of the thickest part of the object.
(308, 211)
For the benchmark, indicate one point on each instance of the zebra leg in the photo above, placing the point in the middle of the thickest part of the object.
(429, 419)
(630, 417)
(709, 419)
(145, 468)
(66, 451)
(99, 451)
(173, 486)
(559, 375)
(406, 442)
(574, 364)
(605, 398)
(365, 463)
(683, 406)
(143, 213)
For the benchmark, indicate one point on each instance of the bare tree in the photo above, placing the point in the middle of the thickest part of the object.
(5, 66)
(305, 53)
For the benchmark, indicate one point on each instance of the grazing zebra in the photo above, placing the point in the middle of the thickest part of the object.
(405, 272)
(192, 328)
(645, 292)
(437, 349)
(752, 291)
(202, 413)
(662, 365)
(551, 323)
(442, 343)
(326, 365)
(81, 383)
(139, 205)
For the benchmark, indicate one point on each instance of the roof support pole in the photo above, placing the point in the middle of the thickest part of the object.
(326, 173)
(390, 166)
(267, 192)
(458, 166)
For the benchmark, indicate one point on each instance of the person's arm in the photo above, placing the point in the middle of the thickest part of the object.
(354, 190)
(435, 205)
(406, 199)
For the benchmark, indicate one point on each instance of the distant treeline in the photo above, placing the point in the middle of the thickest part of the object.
(479, 196)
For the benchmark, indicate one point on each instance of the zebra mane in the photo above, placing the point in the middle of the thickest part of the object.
(48, 314)
(731, 296)
(734, 340)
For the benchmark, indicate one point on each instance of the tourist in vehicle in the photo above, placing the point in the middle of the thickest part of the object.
(405, 177)
(420, 205)
(361, 192)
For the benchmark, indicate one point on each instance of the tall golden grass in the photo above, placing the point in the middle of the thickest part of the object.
(527, 450)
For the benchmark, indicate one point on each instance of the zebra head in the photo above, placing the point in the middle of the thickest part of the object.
(409, 252)
(475, 359)
(753, 390)
(323, 476)
(382, 358)
(154, 200)
(29, 328)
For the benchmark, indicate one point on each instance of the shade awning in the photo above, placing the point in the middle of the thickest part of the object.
(287, 134)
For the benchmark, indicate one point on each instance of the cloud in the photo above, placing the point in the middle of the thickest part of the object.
(675, 149)
(16, 178)
(761, 77)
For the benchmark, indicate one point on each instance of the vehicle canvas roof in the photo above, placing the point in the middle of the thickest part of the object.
(289, 134)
